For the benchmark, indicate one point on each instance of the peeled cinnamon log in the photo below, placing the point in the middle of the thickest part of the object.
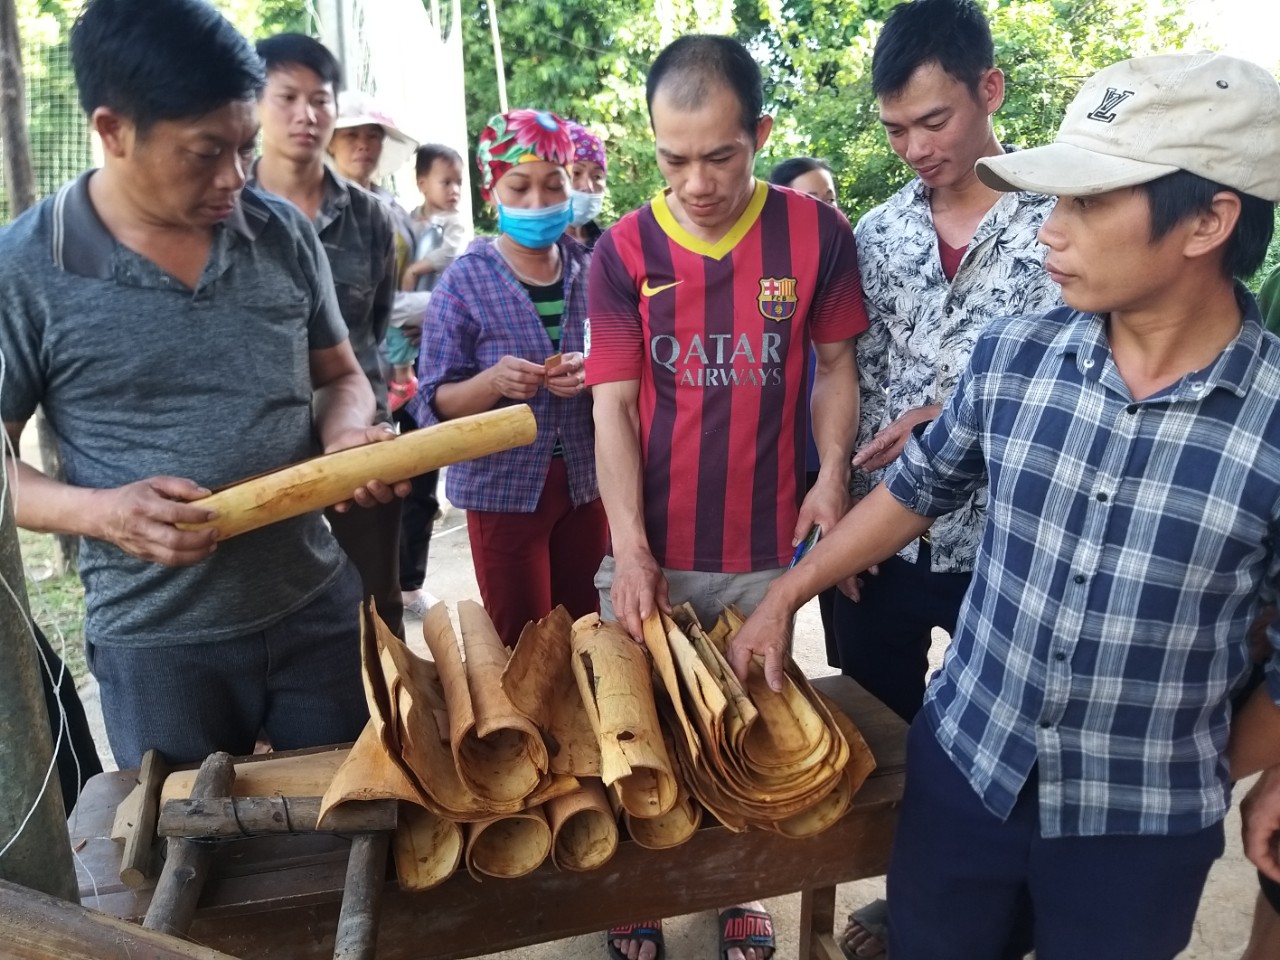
(323, 481)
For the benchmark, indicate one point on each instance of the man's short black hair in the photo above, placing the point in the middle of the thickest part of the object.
(689, 67)
(788, 170)
(429, 153)
(298, 50)
(951, 33)
(153, 60)
(1175, 197)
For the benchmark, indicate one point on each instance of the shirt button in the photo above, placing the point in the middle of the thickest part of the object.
(1046, 725)
(1059, 656)
(1088, 364)
(1198, 387)
(1131, 408)
(1102, 497)
(1079, 578)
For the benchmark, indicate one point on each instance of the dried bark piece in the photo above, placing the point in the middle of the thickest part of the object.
(427, 848)
(508, 847)
(613, 678)
(584, 831)
(539, 681)
(498, 753)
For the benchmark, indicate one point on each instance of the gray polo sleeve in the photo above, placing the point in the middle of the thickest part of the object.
(23, 371)
(325, 327)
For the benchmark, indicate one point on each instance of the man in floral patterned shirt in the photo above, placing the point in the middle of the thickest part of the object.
(939, 260)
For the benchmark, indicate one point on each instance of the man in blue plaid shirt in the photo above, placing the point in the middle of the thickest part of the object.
(1065, 780)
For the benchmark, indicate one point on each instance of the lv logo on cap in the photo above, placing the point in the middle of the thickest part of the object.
(1105, 111)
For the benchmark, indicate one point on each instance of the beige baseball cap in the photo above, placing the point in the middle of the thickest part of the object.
(1134, 121)
(358, 109)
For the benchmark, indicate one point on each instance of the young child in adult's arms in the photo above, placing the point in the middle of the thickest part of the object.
(440, 235)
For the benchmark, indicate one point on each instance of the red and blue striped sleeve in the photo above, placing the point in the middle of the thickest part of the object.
(615, 333)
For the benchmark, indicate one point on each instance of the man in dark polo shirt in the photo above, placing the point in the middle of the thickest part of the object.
(298, 110)
(181, 333)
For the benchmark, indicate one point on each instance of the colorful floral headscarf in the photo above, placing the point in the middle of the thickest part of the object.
(520, 136)
(586, 145)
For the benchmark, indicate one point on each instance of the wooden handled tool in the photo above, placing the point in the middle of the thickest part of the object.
(323, 481)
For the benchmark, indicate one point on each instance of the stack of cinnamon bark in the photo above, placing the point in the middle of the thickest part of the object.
(505, 760)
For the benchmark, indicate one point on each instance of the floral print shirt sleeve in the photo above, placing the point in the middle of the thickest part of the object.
(923, 327)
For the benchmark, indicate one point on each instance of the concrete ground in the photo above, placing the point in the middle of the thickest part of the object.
(1222, 925)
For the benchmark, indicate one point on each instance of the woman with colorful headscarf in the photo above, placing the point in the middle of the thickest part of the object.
(588, 173)
(506, 324)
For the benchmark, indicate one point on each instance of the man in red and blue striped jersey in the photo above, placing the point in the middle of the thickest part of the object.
(703, 304)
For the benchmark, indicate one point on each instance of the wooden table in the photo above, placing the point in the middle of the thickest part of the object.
(277, 898)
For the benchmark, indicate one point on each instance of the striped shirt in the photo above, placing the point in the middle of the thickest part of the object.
(479, 313)
(718, 336)
(548, 301)
(1125, 549)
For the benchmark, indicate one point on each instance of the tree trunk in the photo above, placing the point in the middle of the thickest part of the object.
(21, 184)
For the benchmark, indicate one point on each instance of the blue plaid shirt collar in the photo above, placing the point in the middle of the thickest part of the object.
(1085, 337)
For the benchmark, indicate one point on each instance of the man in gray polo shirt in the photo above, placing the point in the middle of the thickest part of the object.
(298, 111)
(181, 333)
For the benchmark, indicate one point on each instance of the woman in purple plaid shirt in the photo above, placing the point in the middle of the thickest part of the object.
(506, 325)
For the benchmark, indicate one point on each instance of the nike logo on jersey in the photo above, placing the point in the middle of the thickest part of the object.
(648, 291)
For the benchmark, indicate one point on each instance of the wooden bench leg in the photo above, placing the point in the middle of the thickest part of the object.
(817, 923)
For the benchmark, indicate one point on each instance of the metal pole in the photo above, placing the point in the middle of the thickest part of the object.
(497, 56)
(33, 825)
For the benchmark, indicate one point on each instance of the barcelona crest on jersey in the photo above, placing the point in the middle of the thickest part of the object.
(777, 298)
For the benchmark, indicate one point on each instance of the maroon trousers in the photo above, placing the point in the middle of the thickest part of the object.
(528, 563)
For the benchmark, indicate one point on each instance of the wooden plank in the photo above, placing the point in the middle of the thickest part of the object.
(173, 905)
(34, 926)
(357, 935)
(292, 774)
(245, 816)
(463, 918)
(138, 863)
(817, 921)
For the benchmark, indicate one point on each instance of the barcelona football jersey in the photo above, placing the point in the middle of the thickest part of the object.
(718, 336)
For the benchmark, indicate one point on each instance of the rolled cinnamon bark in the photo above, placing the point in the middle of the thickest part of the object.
(324, 481)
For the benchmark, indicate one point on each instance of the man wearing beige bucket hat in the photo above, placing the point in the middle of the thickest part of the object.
(1066, 778)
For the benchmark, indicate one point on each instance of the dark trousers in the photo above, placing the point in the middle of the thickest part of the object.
(417, 519)
(884, 638)
(966, 885)
(370, 536)
(76, 753)
(298, 680)
(528, 563)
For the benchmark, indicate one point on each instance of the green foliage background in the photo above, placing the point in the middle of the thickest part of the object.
(586, 59)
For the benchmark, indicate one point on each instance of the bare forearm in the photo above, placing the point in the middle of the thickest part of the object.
(877, 528)
(620, 475)
(343, 405)
(465, 398)
(834, 413)
(1255, 736)
(47, 505)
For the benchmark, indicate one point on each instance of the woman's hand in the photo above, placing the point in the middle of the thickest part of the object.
(516, 379)
(568, 378)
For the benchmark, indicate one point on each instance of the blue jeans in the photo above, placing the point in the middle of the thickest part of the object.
(298, 680)
(965, 885)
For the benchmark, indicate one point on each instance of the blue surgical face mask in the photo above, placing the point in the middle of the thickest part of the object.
(536, 229)
(586, 207)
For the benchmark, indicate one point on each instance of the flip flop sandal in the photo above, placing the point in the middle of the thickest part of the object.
(873, 918)
(744, 928)
(645, 930)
